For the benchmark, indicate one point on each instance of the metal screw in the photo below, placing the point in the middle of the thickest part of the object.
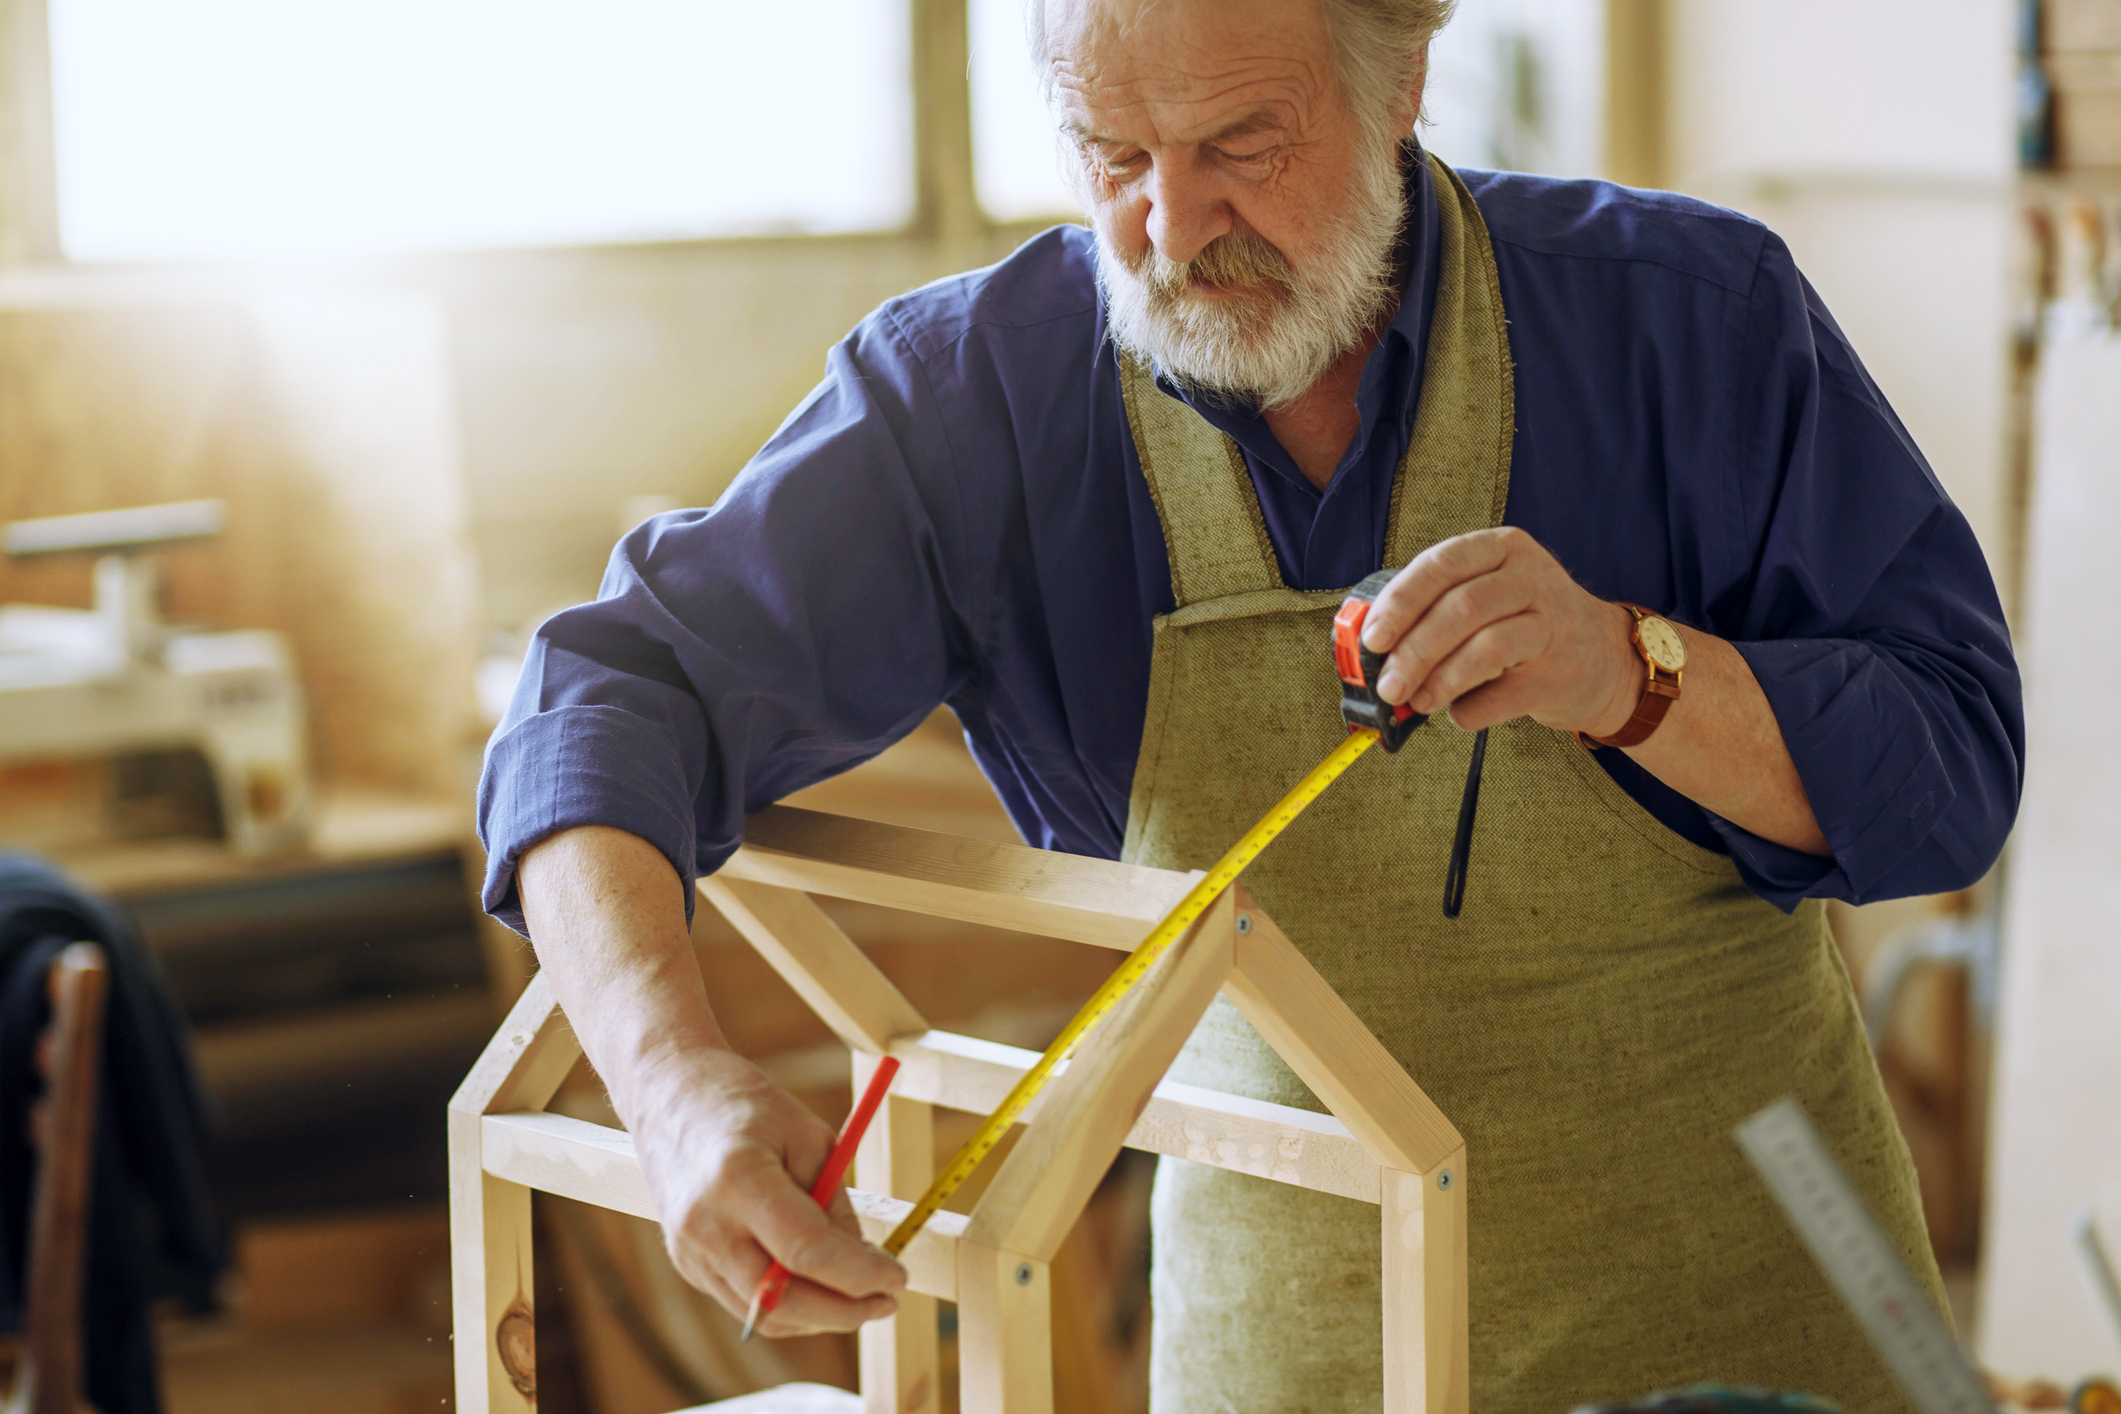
(1023, 1274)
(1443, 1180)
(1244, 922)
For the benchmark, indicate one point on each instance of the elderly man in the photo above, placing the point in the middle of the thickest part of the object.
(1662, 536)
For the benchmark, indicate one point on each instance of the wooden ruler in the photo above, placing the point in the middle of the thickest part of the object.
(1136, 967)
(1857, 1258)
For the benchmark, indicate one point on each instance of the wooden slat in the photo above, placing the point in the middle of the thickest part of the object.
(590, 1163)
(1332, 1052)
(931, 1258)
(1004, 1332)
(901, 1355)
(835, 978)
(1087, 1111)
(523, 1065)
(490, 1269)
(1427, 1346)
(595, 1164)
(947, 876)
(1299, 1147)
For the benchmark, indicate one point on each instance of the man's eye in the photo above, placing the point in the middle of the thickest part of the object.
(1257, 155)
(1121, 164)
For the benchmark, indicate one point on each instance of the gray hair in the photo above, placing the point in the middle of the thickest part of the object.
(1378, 48)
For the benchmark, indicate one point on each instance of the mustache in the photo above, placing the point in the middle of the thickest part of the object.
(1241, 260)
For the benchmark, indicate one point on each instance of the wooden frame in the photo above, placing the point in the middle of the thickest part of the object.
(1384, 1141)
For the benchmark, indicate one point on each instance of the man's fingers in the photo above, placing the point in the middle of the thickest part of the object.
(796, 1233)
(1483, 657)
(1505, 699)
(1427, 578)
(1454, 621)
(806, 1308)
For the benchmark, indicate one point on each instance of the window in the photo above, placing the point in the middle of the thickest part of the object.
(230, 129)
(1520, 84)
(1016, 152)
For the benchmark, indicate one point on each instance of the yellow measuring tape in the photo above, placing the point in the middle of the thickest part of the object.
(1137, 966)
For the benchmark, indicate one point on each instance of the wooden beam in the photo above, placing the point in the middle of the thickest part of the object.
(1004, 1332)
(1424, 1217)
(835, 978)
(901, 1356)
(490, 1270)
(589, 1163)
(1087, 1111)
(1638, 85)
(1331, 1051)
(948, 876)
(931, 1259)
(1288, 1145)
(594, 1164)
(525, 1062)
(29, 187)
(946, 203)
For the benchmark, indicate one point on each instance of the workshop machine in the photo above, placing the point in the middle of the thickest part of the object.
(115, 680)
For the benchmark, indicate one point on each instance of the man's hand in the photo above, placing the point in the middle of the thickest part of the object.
(729, 1158)
(1491, 627)
(728, 1155)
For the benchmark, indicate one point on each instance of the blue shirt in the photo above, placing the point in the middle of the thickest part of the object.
(956, 515)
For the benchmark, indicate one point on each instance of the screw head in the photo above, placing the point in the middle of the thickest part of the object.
(1443, 1180)
(1023, 1274)
(1244, 922)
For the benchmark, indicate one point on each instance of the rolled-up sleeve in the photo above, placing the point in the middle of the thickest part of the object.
(1869, 617)
(738, 654)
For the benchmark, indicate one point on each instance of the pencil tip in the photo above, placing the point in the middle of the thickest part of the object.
(751, 1319)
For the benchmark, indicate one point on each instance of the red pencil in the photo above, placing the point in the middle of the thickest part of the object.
(827, 1186)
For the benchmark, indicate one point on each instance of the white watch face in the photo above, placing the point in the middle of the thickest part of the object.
(1662, 642)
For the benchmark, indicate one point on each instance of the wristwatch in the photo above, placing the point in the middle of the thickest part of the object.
(1664, 655)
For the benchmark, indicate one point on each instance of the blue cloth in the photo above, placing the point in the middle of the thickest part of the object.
(956, 515)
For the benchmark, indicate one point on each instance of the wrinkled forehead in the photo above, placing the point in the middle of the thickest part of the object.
(1182, 70)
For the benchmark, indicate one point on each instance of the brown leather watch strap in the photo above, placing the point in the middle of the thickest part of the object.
(1658, 694)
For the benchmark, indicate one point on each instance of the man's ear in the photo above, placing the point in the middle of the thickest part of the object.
(1417, 86)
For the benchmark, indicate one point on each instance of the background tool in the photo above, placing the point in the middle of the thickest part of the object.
(1853, 1251)
(775, 1281)
(116, 680)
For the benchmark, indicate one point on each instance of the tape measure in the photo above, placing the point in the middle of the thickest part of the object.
(1854, 1253)
(1136, 967)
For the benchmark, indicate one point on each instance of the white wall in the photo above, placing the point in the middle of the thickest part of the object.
(1876, 137)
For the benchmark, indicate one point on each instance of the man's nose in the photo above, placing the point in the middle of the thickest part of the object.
(1186, 211)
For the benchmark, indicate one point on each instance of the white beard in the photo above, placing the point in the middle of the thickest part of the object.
(1286, 326)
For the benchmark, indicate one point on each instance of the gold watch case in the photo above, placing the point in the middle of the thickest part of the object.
(1661, 643)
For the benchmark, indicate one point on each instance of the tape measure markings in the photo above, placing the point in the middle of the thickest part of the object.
(1132, 970)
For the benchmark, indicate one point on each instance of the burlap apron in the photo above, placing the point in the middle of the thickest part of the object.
(1611, 1002)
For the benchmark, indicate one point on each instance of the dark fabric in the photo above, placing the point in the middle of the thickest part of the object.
(955, 515)
(151, 1228)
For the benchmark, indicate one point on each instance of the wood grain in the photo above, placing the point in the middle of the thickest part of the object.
(1087, 1111)
(1332, 1052)
(1427, 1339)
(1266, 1140)
(835, 978)
(900, 1356)
(948, 876)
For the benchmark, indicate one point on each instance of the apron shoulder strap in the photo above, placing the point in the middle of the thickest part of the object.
(1213, 529)
(1455, 476)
